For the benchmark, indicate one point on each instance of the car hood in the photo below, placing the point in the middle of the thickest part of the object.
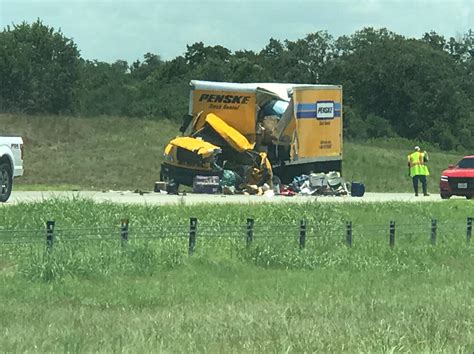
(459, 172)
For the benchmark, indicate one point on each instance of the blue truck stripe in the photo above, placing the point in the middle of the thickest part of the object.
(305, 114)
(312, 106)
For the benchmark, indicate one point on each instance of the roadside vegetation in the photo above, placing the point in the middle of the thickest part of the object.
(90, 293)
(393, 86)
(105, 153)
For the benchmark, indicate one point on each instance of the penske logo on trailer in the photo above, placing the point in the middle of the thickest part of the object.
(235, 99)
(325, 110)
(321, 110)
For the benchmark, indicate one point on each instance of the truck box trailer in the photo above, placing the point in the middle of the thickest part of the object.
(298, 127)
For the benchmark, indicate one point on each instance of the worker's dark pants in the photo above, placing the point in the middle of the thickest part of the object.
(422, 179)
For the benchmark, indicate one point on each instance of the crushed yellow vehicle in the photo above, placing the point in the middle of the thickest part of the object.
(236, 140)
(186, 157)
(266, 128)
(210, 150)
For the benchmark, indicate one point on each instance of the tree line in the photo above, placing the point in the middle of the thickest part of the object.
(393, 86)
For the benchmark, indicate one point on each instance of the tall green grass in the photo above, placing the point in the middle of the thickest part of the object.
(107, 153)
(90, 293)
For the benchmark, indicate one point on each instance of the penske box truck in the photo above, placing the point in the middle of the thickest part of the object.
(298, 127)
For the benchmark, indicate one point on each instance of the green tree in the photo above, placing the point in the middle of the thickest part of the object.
(435, 40)
(410, 84)
(246, 67)
(38, 69)
(141, 70)
(164, 93)
(105, 89)
(308, 57)
(273, 61)
(198, 54)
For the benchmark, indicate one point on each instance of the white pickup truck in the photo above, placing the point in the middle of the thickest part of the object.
(11, 164)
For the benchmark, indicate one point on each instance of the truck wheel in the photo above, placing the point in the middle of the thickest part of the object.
(172, 186)
(6, 181)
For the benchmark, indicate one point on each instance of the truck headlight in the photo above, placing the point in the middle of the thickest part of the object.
(444, 178)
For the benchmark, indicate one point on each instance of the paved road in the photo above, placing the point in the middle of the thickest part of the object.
(189, 199)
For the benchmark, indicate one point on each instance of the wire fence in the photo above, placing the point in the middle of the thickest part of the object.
(300, 234)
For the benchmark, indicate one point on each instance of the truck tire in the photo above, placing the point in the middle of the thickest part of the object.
(6, 181)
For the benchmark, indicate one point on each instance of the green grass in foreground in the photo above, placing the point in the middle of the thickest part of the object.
(273, 297)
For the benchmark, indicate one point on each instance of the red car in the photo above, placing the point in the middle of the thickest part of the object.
(458, 179)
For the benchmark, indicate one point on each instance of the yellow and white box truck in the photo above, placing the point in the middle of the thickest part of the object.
(297, 128)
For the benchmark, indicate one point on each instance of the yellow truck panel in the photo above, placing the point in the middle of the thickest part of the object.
(237, 109)
(318, 116)
(231, 135)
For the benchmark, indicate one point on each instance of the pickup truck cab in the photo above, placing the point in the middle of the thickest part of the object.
(11, 164)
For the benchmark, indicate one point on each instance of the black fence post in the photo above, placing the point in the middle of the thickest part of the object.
(469, 229)
(433, 231)
(250, 223)
(349, 233)
(124, 232)
(192, 235)
(392, 234)
(302, 233)
(50, 234)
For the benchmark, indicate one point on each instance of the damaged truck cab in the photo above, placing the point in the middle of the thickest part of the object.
(257, 128)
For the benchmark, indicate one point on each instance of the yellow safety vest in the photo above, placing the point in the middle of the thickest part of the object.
(417, 164)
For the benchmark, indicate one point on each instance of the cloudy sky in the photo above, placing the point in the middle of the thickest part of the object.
(108, 30)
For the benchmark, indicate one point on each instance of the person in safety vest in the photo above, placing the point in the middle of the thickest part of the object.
(418, 170)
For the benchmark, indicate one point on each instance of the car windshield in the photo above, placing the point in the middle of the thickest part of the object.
(274, 108)
(466, 163)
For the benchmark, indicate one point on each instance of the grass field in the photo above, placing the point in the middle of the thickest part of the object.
(91, 294)
(67, 153)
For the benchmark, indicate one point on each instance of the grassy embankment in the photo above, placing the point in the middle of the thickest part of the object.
(119, 153)
(273, 297)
